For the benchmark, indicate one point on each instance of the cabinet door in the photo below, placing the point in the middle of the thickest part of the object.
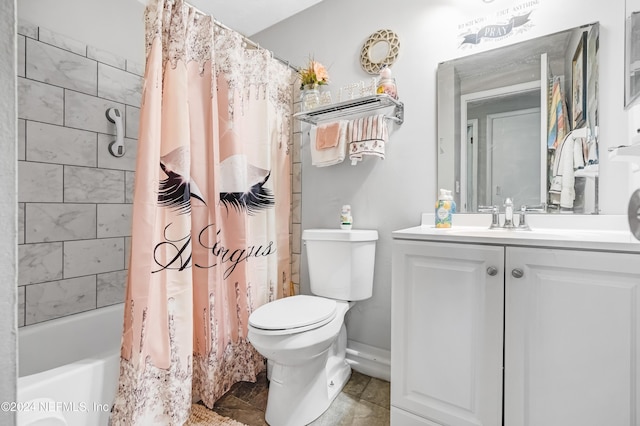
(447, 332)
(571, 338)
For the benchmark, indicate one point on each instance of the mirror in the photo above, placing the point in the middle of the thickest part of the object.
(521, 122)
(378, 52)
(632, 52)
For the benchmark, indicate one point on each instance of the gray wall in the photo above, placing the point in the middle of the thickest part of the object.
(74, 197)
(8, 331)
(391, 194)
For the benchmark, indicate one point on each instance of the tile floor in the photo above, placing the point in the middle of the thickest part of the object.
(363, 401)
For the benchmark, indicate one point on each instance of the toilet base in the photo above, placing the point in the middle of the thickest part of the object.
(300, 394)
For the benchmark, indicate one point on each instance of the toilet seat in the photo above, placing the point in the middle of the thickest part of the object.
(293, 314)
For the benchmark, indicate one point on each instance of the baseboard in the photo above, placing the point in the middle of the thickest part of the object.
(369, 360)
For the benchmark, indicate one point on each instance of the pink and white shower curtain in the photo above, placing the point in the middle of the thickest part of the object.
(210, 238)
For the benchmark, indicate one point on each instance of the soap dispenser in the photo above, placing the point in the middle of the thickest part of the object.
(346, 220)
(445, 207)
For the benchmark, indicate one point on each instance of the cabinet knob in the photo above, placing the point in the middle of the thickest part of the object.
(517, 273)
(492, 270)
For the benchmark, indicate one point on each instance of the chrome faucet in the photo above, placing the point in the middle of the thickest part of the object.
(522, 220)
(495, 215)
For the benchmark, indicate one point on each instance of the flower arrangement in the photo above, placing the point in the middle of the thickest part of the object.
(315, 74)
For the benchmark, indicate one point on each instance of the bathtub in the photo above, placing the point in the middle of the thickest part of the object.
(68, 367)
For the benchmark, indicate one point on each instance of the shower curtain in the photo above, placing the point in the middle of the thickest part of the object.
(210, 237)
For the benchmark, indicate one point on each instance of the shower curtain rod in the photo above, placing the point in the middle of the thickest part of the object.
(244, 38)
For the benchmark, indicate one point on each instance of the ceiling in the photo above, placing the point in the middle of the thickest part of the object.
(251, 16)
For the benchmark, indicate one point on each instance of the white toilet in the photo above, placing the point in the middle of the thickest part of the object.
(303, 337)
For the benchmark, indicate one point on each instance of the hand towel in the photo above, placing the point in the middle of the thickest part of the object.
(367, 136)
(331, 155)
(568, 158)
(328, 135)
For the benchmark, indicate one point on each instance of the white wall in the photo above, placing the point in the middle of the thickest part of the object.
(8, 210)
(115, 26)
(390, 194)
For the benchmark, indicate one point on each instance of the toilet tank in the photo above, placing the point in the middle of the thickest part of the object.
(341, 262)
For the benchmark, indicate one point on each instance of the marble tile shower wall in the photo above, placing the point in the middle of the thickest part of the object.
(74, 196)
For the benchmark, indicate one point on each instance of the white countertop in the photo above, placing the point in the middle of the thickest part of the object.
(586, 232)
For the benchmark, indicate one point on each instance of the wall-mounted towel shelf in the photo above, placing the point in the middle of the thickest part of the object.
(353, 107)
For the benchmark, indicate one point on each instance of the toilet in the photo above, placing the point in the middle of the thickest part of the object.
(304, 337)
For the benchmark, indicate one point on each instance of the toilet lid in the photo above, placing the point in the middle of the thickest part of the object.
(293, 313)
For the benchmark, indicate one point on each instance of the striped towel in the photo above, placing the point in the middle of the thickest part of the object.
(557, 117)
(367, 136)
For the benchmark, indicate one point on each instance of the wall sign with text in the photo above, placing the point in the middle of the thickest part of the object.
(504, 23)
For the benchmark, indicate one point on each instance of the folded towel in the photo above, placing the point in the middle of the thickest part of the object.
(367, 136)
(328, 135)
(328, 156)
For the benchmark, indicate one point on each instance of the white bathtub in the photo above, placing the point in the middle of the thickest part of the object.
(74, 363)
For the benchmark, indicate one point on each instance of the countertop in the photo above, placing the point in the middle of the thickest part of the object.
(594, 232)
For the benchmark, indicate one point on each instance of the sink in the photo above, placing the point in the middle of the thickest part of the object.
(587, 232)
(534, 234)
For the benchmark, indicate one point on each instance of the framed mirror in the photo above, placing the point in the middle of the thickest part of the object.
(632, 52)
(379, 50)
(521, 121)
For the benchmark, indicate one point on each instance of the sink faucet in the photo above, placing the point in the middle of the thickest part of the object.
(495, 215)
(508, 214)
(522, 222)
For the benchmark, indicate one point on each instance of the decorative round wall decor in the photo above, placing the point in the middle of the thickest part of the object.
(380, 49)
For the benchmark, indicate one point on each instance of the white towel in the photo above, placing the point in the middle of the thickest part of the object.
(367, 136)
(328, 156)
(568, 158)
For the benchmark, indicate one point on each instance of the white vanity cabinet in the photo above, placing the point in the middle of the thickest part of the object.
(565, 324)
(446, 334)
(572, 338)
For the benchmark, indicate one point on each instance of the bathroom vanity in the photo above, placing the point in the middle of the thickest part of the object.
(538, 328)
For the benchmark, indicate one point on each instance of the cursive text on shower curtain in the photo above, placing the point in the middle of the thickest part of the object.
(179, 251)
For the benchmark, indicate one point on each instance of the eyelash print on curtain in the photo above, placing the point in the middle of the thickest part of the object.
(177, 189)
(211, 210)
(243, 186)
(244, 183)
